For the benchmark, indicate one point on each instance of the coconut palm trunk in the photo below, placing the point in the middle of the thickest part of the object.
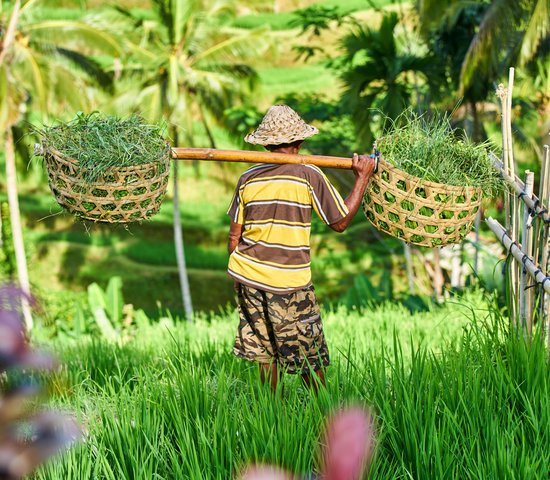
(17, 232)
(178, 242)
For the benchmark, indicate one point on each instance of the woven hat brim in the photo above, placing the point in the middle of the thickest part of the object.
(260, 138)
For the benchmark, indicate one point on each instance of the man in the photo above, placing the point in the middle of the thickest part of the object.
(280, 325)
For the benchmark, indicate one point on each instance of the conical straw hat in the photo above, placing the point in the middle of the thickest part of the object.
(280, 125)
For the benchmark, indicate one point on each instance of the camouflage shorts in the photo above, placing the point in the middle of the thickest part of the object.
(283, 328)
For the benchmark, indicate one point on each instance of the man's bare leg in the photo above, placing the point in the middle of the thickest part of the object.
(315, 382)
(269, 373)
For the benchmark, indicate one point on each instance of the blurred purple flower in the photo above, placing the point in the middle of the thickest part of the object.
(28, 437)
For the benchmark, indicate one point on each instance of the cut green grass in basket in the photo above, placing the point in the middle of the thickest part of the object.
(99, 142)
(428, 147)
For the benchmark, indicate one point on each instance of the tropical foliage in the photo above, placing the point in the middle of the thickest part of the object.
(379, 75)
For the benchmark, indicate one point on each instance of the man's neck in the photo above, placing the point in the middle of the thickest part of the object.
(287, 150)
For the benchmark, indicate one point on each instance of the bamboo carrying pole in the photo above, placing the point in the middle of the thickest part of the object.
(247, 156)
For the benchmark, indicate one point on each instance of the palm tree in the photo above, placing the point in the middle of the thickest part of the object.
(510, 33)
(190, 66)
(377, 75)
(37, 60)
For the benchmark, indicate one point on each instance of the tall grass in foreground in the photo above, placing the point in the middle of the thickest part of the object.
(177, 405)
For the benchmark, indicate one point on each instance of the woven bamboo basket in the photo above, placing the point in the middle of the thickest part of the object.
(120, 195)
(417, 211)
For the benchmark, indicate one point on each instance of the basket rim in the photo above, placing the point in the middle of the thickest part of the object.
(422, 182)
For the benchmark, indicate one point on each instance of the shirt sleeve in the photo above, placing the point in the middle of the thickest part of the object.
(326, 200)
(236, 209)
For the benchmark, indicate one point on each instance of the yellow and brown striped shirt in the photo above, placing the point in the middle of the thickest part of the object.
(274, 204)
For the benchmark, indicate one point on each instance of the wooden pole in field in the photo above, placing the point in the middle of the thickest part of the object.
(508, 198)
(513, 248)
(476, 242)
(409, 266)
(502, 94)
(517, 185)
(511, 203)
(545, 249)
(526, 296)
(544, 193)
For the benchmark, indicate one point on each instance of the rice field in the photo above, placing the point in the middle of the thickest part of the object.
(455, 396)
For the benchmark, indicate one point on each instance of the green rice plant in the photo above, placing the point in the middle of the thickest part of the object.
(177, 405)
(99, 142)
(428, 147)
(456, 394)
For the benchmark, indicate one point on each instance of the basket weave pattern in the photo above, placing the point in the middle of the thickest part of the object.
(417, 211)
(120, 195)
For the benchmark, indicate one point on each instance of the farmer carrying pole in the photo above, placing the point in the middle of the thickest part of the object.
(280, 325)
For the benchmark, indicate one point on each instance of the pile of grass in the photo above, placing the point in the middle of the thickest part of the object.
(428, 147)
(99, 142)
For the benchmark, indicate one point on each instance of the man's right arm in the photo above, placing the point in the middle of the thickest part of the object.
(235, 234)
(363, 168)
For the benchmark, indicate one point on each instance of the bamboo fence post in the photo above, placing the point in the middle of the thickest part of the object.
(513, 248)
(525, 295)
(476, 242)
(456, 264)
(517, 185)
(511, 202)
(502, 94)
(511, 160)
(409, 265)
(543, 231)
(438, 279)
(539, 226)
(545, 300)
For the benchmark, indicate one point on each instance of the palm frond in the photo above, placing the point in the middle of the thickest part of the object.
(538, 27)
(12, 96)
(89, 66)
(493, 38)
(30, 68)
(239, 46)
(74, 34)
(66, 90)
(434, 13)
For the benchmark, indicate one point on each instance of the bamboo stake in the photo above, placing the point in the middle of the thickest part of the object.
(513, 248)
(502, 94)
(542, 233)
(410, 270)
(511, 160)
(249, 156)
(438, 279)
(537, 252)
(545, 299)
(505, 170)
(476, 242)
(515, 207)
(534, 203)
(526, 296)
